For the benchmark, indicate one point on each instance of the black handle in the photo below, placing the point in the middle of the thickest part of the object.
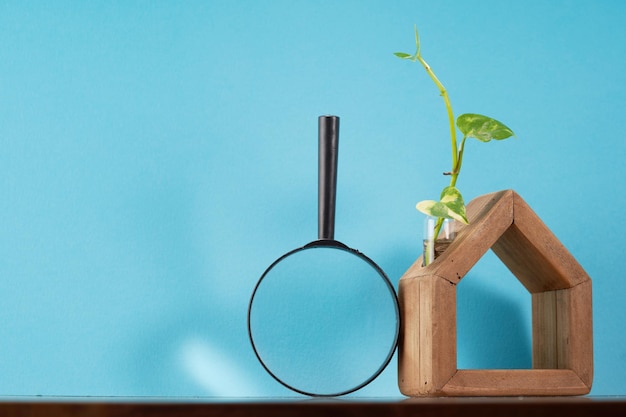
(327, 172)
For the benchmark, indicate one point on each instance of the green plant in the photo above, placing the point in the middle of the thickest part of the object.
(477, 126)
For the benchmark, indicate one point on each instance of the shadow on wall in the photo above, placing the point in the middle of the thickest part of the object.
(494, 327)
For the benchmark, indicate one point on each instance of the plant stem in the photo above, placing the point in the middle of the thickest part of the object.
(457, 169)
(446, 99)
(457, 154)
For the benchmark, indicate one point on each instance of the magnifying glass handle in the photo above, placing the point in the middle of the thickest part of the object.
(327, 175)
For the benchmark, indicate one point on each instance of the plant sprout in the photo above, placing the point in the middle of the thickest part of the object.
(477, 126)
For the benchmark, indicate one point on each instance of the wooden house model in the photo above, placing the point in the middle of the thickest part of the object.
(562, 337)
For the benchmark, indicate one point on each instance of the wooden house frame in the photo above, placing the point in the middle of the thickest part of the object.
(562, 337)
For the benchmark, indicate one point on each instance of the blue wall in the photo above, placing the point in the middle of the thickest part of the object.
(156, 157)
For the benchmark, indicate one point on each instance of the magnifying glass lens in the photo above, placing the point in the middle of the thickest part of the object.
(323, 321)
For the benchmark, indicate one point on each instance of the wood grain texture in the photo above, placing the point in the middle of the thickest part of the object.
(563, 330)
(513, 382)
(561, 307)
(427, 348)
(534, 255)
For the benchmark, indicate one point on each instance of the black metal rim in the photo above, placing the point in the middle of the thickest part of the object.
(337, 245)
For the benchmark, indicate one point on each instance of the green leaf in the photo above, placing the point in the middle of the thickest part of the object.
(451, 197)
(433, 208)
(403, 55)
(482, 127)
(451, 206)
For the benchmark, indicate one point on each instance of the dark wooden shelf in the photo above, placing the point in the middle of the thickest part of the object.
(303, 407)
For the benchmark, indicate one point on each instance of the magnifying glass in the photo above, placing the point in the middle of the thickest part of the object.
(323, 319)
